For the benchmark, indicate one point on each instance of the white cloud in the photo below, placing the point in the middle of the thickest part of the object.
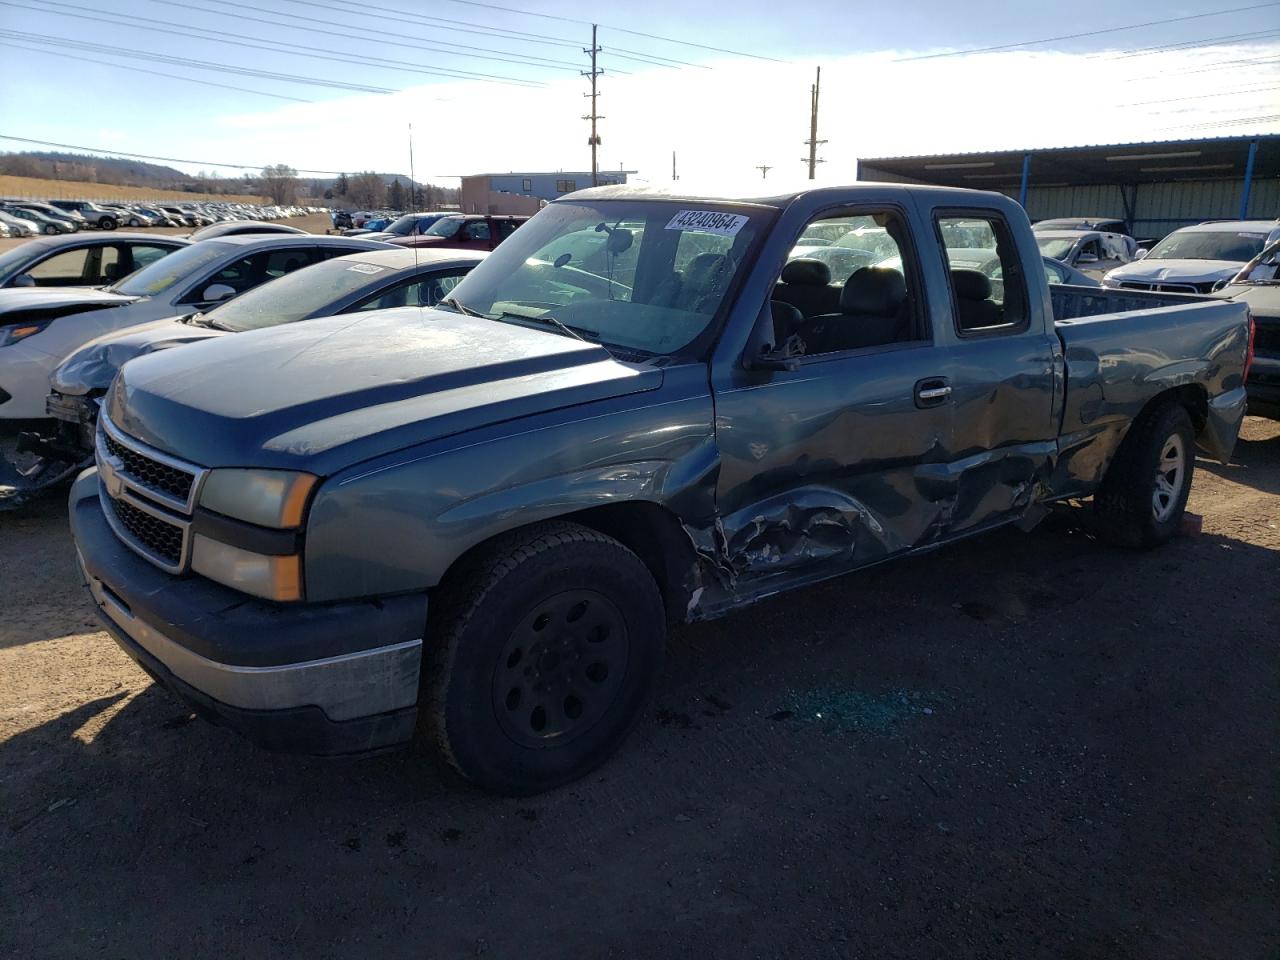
(725, 121)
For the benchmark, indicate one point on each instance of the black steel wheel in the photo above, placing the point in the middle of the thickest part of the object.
(541, 655)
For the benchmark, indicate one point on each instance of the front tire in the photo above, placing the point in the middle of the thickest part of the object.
(543, 655)
(107, 223)
(51, 229)
(1144, 493)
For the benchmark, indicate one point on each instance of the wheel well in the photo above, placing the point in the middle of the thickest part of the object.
(648, 530)
(1192, 396)
(655, 535)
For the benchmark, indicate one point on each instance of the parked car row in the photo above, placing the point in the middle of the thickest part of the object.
(68, 216)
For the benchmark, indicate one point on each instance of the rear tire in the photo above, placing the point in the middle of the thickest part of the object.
(1144, 493)
(542, 656)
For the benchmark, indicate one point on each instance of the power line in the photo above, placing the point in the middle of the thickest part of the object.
(1210, 67)
(144, 156)
(81, 58)
(1237, 122)
(383, 37)
(501, 33)
(634, 33)
(1076, 36)
(1187, 44)
(78, 45)
(1200, 96)
(315, 53)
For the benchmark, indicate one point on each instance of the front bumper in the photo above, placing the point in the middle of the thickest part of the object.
(1264, 387)
(332, 679)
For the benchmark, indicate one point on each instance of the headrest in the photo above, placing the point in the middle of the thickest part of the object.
(785, 318)
(807, 272)
(879, 291)
(293, 263)
(971, 285)
(706, 268)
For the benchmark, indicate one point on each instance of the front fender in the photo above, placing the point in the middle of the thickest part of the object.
(398, 523)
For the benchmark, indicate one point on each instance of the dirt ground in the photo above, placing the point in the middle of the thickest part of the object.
(1024, 746)
(312, 223)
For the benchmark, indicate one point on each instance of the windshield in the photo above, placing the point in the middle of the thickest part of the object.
(404, 227)
(1056, 247)
(169, 271)
(645, 276)
(445, 227)
(297, 295)
(1241, 245)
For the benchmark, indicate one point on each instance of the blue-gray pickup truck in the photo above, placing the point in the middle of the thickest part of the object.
(478, 520)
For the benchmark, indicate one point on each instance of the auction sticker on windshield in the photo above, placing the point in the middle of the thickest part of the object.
(708, 221)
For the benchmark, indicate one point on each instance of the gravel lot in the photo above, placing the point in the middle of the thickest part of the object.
(1023, 746)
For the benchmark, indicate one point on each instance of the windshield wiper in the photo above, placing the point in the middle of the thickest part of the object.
(560, 324)
(461, 308)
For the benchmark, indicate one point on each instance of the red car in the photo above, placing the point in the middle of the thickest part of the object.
(465, 231)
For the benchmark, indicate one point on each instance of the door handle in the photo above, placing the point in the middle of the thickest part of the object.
(932, 392)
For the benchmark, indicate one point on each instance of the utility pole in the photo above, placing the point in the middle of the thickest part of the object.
(593, 116)
(813, 141)
(764, 170)
(673, 166)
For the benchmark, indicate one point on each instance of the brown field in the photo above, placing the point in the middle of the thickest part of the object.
(34, 188)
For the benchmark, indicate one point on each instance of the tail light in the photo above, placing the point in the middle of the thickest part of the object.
(1248, 356)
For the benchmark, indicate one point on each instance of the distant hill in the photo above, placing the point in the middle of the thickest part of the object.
(118, 171)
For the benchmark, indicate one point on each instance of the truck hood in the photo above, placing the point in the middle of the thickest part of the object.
(94, 366)
(70, 299)
(332, 392)
(1176, 271)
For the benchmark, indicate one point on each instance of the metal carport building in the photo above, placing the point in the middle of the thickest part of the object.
(1155, 187)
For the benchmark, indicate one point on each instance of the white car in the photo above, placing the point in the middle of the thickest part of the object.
(41, 325)
(1196, 259)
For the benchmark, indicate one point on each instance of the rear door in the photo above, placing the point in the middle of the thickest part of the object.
(1001, 367)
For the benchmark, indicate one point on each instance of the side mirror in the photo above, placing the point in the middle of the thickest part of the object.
(217, 292)
(24, 280)
(1140, 253)
(1087, 258)
(763, 351)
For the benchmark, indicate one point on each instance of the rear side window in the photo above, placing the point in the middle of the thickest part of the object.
(988, 288)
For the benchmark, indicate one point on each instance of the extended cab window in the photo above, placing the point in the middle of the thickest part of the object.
(643, 277)
(848, 284)
(988, 290)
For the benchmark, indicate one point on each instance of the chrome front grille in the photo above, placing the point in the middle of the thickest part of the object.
(158, 536)
(148, 496)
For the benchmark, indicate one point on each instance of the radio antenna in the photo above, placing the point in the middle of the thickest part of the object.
(413, 198)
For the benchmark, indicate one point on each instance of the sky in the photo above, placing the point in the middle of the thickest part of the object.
(512, 97)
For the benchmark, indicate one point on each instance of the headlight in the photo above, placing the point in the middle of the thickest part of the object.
(269, 498)
(1108, 282)
(271, 577)
(17, 332)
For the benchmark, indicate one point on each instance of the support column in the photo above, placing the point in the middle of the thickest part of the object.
(1248, 180)
(1026, 174)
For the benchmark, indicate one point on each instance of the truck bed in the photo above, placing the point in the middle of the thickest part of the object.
(1071, 302)
(1123, 348)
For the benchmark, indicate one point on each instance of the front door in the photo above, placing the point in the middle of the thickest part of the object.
(833, 465)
